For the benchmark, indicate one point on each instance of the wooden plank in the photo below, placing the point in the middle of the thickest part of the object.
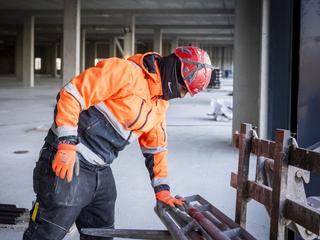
(245, 142)
(305, 216)
(305, 159)
(254, 190)
(277, 225)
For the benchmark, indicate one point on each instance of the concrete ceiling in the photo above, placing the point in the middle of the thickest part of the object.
(205, 19)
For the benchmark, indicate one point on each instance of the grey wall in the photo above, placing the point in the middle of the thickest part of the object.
(308, 117)
(280, 60)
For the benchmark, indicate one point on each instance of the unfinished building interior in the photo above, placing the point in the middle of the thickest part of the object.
(265, 55)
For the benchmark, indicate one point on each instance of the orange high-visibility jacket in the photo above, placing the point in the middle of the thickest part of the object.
(128, 95)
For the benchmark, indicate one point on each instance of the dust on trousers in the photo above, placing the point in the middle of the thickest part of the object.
(89, 200)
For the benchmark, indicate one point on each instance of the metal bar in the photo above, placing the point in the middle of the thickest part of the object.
(263, 148)
(279, 188)
(260, 147)
(221, 216)
(231, 233)
(167, 220)
(234, 180)
(212, 229)
(303, 215)
(260, 193)
(183, 219)
(235, 139)
(305, 159)
(127, 233)
(257, 191)
(245, 143)
(215, 221)
(213, 210)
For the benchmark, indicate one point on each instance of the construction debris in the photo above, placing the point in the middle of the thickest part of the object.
(222, 109)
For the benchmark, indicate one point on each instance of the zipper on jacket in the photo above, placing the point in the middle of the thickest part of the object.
(164, 133)
(137, 118)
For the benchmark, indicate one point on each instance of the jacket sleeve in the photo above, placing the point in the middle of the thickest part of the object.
(154, 148)
(92, 86)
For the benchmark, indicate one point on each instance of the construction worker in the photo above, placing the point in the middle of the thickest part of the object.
(97, 114)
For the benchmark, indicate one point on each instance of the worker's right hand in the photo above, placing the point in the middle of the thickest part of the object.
(165, 197)
(65, 160)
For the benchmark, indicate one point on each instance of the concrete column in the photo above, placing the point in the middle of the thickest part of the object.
(61, 57)
(222, 60)
(129, 37)
(174, 43)
(47, 57)
(71, 40)
(263, 114)
(90, 54)
(218, 54)
(112, 47)
(83, 50)
(18, 60)
(247, 63)
(28, 52)
(54, 60)
(157, 41)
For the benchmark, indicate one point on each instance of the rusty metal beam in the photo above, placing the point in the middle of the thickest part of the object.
(305, 159)
(256, 191)
(303, 215)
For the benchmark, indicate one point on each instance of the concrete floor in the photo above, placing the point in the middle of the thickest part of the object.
(200, 157)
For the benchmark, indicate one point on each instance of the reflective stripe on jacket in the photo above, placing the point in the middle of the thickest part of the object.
(128, 96)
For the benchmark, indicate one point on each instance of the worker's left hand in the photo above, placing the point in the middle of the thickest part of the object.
(165, 197)
(65, 161)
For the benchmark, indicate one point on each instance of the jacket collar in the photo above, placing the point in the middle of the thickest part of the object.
(154, 79)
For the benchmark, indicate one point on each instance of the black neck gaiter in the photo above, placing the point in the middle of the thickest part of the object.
(170, 76)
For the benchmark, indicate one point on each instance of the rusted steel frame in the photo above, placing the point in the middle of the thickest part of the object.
(305, 159)
(187, 224)
(127, 233)
(279, 188)
(260, 147)
(220, 216)
(173, 228)
(210, 228)
(245, 143)
(254, 190)
(303, 215)
(263, 148)
(174, 224)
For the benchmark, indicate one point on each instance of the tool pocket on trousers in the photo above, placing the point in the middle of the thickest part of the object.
(66, 193)
(43, 178)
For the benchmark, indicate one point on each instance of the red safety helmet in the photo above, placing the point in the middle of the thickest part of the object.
(196, 68)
